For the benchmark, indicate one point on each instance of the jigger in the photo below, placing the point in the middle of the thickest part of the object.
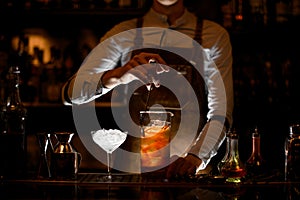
(44, 168)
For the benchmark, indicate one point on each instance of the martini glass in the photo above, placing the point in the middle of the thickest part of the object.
(109, 141)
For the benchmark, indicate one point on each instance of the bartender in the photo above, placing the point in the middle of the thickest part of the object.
(119, 59)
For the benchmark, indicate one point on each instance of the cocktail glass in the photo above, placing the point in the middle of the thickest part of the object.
(109, 141)
(155, 139)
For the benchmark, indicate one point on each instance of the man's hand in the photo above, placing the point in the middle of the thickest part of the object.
(141, 67)
(183, 167)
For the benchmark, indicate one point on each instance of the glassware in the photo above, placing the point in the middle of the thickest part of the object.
(233, 169)
(292, 154)
(109, 141)
(155, 139)
(12, 129)
(44, 162)
(255, 165)
(227, 152)
(292, 162)
(153, 80)
(65, 160)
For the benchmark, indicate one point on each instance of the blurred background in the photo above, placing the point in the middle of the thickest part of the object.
(50, 39)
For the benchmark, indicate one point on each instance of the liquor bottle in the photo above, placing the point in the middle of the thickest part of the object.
(282, 10)
(4, 54)
(295, 8)
(52, 77)
(292, 154)
(124, 3)
(228, 10)
(34, 81)
(21, 57)
(12, 129)
(239, 14)
(258, 12)
(233, 169)
(255, 165)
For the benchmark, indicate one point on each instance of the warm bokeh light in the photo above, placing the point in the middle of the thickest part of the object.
(43, 40)
(239, 17)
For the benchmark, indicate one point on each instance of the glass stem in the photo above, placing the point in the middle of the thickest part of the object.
(108, 165)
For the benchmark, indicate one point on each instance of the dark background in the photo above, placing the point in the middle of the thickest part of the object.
(265, 69)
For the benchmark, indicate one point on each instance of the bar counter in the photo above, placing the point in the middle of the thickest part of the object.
(132, 186)
(147, 187)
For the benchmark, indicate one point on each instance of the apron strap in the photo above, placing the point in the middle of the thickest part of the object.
(139, 37)
(138, 41)
(198, 33)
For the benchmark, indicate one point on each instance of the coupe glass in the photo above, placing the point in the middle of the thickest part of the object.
(109, 141)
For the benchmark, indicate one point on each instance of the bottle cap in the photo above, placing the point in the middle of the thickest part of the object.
(295, 129)
(255, 133)
(14, 69)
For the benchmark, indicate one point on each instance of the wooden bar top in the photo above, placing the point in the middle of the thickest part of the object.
(147, 187)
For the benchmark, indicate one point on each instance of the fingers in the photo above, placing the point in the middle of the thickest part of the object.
(145, 66)
(182, 167)
(151, 57)
(145, 58)
(160, 68)
(174, 168)
(134, 67)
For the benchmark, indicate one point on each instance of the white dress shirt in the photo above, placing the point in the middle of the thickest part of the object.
(218, 53)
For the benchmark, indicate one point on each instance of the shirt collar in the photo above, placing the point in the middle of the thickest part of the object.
(180, 21)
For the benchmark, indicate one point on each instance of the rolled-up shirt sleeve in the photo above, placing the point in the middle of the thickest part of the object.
(84, 90)
(85, 85)
(218, 77)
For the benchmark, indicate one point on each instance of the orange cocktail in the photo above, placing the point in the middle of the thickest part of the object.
(155, 148)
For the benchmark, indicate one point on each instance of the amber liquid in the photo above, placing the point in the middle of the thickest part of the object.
(154, 146)
(234, 173)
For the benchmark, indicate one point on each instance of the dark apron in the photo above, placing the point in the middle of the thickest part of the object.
(164, 96)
